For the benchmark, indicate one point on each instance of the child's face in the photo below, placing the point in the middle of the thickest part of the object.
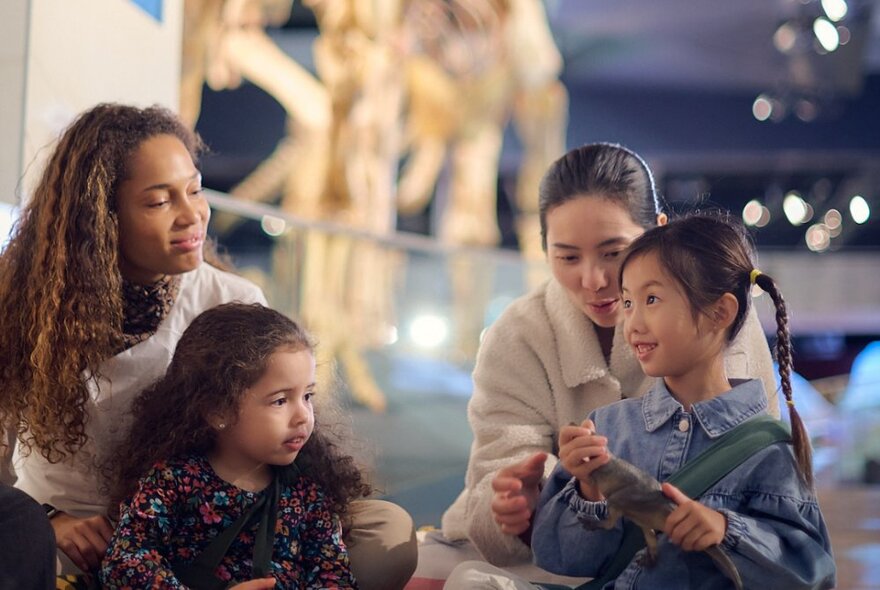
(660, 325)
(275, 418)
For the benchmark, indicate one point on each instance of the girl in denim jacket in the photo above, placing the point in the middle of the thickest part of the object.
(685, 292)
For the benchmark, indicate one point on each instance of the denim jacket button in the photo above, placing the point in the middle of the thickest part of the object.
(683, 425)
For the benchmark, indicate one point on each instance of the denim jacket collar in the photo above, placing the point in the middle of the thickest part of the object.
(717, 415)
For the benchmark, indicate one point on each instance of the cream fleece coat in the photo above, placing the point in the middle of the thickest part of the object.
(541, 366)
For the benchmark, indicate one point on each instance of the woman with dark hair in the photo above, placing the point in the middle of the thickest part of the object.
(103, 273)
(556, 354)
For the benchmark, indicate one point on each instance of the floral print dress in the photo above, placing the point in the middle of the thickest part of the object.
(180, 506)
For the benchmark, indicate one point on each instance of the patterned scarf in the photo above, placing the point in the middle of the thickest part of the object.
(144, 308)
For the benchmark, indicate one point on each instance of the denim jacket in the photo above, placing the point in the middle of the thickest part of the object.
(775, 535)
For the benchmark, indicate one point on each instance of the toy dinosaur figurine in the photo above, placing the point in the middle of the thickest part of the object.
(632, 493)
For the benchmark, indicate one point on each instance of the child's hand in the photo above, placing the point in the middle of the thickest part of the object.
(581, 451)
(259, 584)
(692, 526)
(516, 493)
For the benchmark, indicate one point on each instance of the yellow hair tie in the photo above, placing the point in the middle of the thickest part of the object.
(790, 403)
(753, 276)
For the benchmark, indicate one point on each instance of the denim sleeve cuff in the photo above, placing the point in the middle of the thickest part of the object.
(590, 514)
(736, 529)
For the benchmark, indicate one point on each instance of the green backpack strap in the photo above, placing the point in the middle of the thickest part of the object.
(727, 453)
(698, 475)
(199, 573)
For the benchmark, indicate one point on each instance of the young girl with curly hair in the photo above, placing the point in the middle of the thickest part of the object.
(108, 264)
(232, 419)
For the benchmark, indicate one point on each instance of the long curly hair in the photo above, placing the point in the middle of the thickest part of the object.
(60, 286)
(223, 352)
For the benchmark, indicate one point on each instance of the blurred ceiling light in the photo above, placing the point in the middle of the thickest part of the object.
(844, 34)
(826, 33)
(808, 212)
(752, 212)
(806, 110)
(834, 222)
(274, 226)
(756, 214)
(785, 37)
(795, 208)
(429, 331)
(835, 9)
(780, 110)
(818, 238)
(859, 209)
(765, 217)
(762, 108)
(833, 219)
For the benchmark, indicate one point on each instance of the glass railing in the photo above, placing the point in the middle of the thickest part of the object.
(398, 320)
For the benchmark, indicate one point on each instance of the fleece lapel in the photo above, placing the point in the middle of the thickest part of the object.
(580, 355)
(577, 347)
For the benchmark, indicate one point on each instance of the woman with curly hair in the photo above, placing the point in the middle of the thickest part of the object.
(225, 427)
(103, 273)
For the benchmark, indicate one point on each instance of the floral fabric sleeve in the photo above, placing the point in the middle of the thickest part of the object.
(138, 553)
(324, 557)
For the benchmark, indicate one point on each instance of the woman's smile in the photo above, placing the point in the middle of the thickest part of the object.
(189, 243)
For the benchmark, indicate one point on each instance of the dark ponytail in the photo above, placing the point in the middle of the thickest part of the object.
(802, 451)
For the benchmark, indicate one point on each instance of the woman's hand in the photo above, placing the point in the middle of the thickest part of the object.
(692, 526)
(581, 451)
(83, 540)
(516, 494)
(257, 584)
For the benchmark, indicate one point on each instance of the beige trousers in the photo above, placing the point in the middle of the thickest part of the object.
(381, 541)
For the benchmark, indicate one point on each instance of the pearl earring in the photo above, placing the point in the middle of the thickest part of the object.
(221, 426)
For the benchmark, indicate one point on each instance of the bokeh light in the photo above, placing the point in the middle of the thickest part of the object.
(429, 330)
(859, 209)
(818, 237)
(826, 33)
(762, 108)
(273, 226)
(835, 9)
(795, 209)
